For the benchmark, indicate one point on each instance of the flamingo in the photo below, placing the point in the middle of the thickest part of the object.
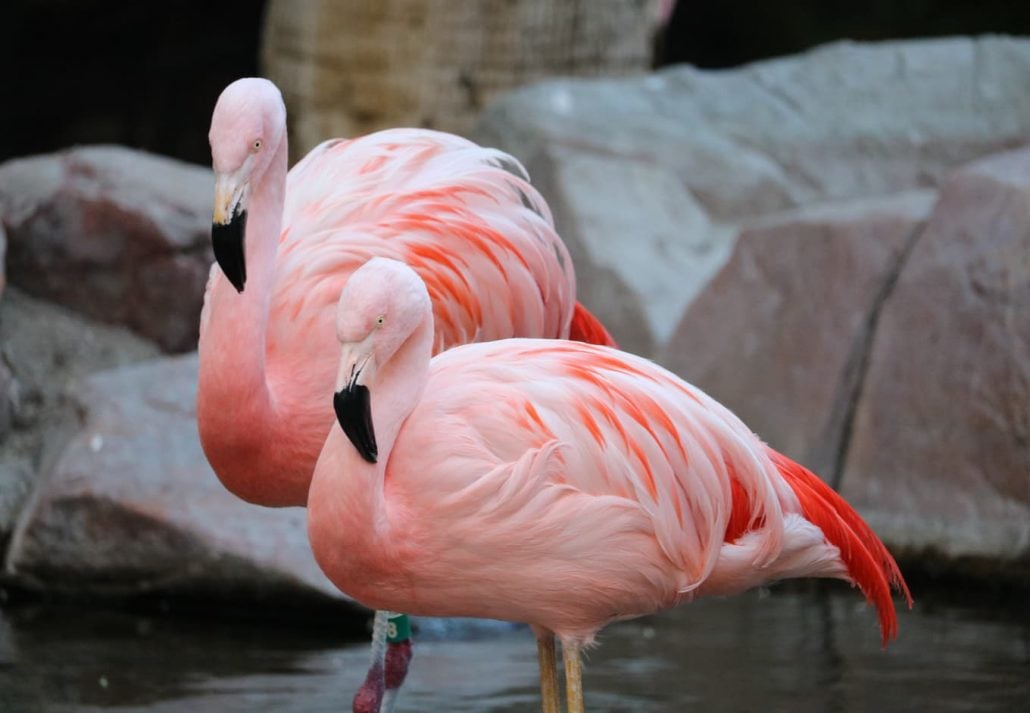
(465, 217)
(560, 484)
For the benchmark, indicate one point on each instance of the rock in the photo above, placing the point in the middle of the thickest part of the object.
(45, 348)
(348, 69)
(8, 397)
(638, 285)
(130, 506)
(940, 454)
(781, 333)
(119, 235)
(3, 259)
(709, 151)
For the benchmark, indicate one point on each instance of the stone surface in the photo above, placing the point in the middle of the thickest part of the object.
(348, 69)
(45, 349)
(638, 274)
(3, 259)
(130, 505)
(664, 167)
(780, 334)
(940, 455)
(8, 397)
(117, 234)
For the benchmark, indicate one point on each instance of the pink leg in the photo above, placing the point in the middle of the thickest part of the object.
(369, 697)
(399, 652)
(392, 651)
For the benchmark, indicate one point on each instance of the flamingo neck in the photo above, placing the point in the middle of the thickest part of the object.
(349, 511)
(236, 406)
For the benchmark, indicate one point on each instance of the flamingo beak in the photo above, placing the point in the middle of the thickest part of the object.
(354, 412)
(228, 227)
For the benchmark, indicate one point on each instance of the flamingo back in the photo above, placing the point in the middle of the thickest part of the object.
(619, 428)
(464, 217)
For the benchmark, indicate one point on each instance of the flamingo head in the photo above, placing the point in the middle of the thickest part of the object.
(248, 124)
(381, 306)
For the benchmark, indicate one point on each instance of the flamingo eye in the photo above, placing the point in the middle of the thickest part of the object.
(380, 320)
(257, 144)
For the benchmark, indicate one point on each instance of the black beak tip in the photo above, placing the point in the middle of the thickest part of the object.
(227, 242)
(238, 284)
(354, 413)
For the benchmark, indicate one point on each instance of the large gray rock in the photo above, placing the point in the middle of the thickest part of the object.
(130, 505)
(8, 397)
(3, 259)
(45, 349)
(940, 455)
(120, 235)
(781, 334)
(637, 275)
(661, 170)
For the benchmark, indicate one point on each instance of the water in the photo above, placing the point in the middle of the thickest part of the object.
(797, 650)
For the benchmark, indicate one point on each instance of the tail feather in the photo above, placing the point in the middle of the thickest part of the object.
(587, 328)
(870, 566)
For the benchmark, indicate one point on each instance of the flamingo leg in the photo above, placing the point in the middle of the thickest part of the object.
(548, 673)
(399, 651)
(369, 697)
(573, 677)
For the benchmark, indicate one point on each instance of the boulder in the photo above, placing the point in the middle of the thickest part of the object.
(119, 235)
(8, 397)
(940, 453)
(780, 335)
(129, 506)
(661, 170)
(44, 349)
(348, 69)
(637, 275)
(3, 259)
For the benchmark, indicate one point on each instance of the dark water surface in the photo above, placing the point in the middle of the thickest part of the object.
(795, 651)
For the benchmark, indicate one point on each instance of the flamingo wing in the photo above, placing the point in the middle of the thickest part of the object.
(617, 431)
(464, 217)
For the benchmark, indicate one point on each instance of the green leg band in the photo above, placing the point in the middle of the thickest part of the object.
(398, 628)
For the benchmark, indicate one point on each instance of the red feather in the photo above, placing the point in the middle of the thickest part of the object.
(587, 328)
(870, 566)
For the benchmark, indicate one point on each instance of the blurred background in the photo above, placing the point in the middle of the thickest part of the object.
(147, 76)
(819, 212)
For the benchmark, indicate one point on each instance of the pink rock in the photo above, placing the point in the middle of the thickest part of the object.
(130, 505)
(43, 348)
(120, 235)
(940, 456)
(779, 334)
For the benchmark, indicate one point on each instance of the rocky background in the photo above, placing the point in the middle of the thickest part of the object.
(835, 244)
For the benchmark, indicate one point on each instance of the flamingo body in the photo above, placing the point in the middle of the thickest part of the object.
(560, 484)
(464, 217)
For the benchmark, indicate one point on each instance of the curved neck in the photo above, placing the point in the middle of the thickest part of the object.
(232, 348)
(347, 500)
(236, 407)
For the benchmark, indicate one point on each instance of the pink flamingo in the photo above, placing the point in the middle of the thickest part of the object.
(560, 484)
(464, 217)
